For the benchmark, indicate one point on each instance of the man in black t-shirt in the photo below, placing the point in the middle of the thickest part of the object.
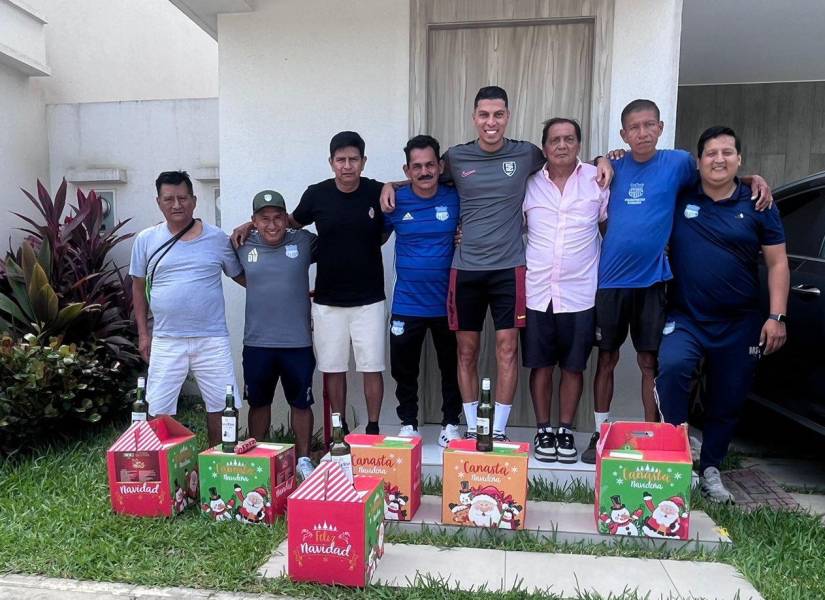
(348, 307)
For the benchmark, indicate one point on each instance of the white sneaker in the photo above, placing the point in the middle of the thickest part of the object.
(448, 433)
(408, 431)
(712, 488)
(304, 467)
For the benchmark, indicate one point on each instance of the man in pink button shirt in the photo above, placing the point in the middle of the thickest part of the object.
(564, 208)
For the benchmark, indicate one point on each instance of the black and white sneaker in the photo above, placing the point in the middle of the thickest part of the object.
(544, 446)
(566, 448)
(589, 455)
(470, 435)
(500, 437)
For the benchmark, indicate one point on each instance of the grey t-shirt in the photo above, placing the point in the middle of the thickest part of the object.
(277, 290)
(491, 187)
(186, 294)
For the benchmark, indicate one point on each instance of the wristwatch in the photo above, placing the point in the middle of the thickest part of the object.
(782, 318)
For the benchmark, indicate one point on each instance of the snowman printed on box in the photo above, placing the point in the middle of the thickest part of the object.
(620, 521)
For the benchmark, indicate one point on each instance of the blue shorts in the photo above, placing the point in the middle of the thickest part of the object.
(262, 367)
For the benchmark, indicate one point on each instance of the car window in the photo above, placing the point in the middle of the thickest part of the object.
(803, 217)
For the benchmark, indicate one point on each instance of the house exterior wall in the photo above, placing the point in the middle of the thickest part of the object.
(142, 139)
(290, 78)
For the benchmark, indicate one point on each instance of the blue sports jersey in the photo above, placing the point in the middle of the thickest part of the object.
(640, 217)
(714, 252)
(424, 231)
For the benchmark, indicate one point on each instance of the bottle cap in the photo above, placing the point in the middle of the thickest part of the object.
(141, 382)
(228, 389)
(485, 384)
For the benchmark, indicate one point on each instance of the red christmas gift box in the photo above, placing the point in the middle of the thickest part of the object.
(397, 460)
(643, 476)
(153, 469)
(251, 487)
(336, 528)
(485, 489)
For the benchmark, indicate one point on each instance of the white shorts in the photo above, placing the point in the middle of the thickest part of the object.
(170, 361)
(334, 327)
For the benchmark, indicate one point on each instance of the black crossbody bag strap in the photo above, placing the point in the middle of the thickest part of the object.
(166, 247)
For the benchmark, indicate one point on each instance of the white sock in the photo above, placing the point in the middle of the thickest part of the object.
(601, 417)
(502, 414)
(470, 414)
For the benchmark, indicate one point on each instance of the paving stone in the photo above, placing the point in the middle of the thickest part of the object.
(753, 488)
(710, 581)
(463, 567)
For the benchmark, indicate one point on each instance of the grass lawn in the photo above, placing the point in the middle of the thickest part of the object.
(55, 520)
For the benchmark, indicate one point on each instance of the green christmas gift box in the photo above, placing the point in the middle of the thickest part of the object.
(643, 476)
(251, 487)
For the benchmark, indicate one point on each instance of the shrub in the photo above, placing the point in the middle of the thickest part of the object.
(51, 388)
(69, 351)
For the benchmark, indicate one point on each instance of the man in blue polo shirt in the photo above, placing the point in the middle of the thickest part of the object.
(713, 308)
(424, 222)
(634, 266)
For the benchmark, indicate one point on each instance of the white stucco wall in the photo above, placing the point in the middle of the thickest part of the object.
(125, 50)
(142, 138)
(23, 148)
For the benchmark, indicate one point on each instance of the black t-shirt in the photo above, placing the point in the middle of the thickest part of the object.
(350, 225)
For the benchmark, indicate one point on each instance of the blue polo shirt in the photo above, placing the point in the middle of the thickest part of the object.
(640, 217)
(424, 242)
(714, 253)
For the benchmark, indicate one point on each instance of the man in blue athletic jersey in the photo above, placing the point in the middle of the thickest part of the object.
(713, 302)
(634, 267)
(424, 223)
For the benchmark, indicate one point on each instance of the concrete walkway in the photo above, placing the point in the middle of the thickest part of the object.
(562, 574)
(17, 587)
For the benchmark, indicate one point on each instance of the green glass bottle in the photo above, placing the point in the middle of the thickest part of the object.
(229, 422)
(339, 450)
(484, 419)
(140, 408)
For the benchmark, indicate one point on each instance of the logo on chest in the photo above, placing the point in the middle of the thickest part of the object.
(252, 256)
(691, 211)
(509, 167)
(442, 213)
(635, 194)
(371, 212)
(291, 251)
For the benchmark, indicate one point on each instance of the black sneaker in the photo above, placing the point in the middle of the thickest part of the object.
(589, 455)
(544, 446)
(372, 429)
(470, 435)
(566, 448)
(500, 437)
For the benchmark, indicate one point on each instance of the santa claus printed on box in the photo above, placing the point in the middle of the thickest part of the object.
(486, 506)
(668, 519)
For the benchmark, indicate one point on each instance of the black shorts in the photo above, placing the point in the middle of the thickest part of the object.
(262, 367)
(471, 292)
(642, 310)
(565, 339)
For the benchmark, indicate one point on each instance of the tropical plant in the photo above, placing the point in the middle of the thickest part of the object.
(74, 254)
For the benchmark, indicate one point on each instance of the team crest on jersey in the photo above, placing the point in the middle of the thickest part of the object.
(397, 328)
(252, 256)
(691, 211)
(292, 251)
(371, 212)
(670, 326)
(441, 213)
(509, 167)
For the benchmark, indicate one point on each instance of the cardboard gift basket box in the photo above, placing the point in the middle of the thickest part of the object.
(485, 489)
(643, 478)
(153, 469)
(251, 487)
(335, 527)
(397, 460)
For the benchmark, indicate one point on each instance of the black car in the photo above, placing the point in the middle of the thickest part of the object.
(792, 381)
